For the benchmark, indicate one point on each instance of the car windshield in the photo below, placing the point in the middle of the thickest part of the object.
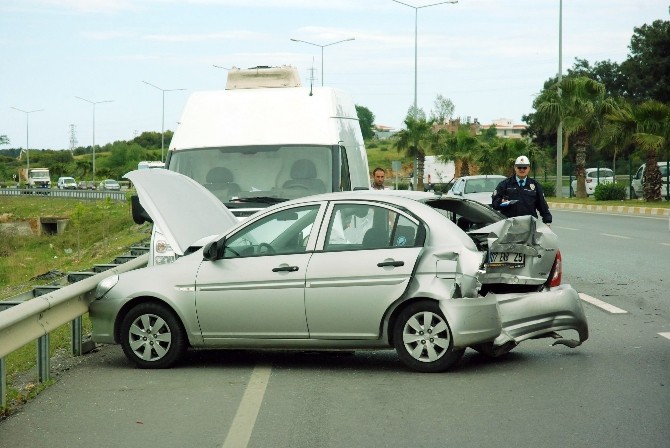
(250, 172)
(481, 185)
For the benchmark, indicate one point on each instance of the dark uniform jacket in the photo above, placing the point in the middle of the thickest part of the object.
(529, 199)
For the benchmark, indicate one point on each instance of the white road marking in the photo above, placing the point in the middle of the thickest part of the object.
(665, 335)
(245, 418)
(616, 236)
(665, 244)
(565, 228)
(600, 304)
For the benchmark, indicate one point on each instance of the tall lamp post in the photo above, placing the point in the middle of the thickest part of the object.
(27, 112)
(93, 103)
(559, 131)
(163, 117)
(322, 47)
(416, 33)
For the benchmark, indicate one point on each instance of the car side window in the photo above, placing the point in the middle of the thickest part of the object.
(283, 232)
(363, 226)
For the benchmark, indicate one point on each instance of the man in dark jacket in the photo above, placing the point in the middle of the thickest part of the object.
(519, 195)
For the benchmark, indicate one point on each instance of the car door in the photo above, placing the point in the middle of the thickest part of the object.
(257, 289)
(353, 280)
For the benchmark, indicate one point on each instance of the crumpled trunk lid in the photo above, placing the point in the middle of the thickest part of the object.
(519, 251)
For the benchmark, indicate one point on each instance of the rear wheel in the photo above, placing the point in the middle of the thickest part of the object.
(423, 339)
(152, 337)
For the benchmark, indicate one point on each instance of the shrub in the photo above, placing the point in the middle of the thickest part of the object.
(549, 188)
(610, 192)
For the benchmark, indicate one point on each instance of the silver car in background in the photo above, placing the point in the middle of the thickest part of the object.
(351, 270)
(478, 188)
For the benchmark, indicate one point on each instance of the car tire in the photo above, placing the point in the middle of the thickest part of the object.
(423, 339)
(152, 337)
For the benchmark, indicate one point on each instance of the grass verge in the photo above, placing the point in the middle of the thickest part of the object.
(95, 232)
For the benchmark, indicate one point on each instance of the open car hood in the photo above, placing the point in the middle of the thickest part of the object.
(183, 210)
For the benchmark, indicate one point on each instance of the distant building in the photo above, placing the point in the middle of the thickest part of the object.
(505, 128)
(383, 132)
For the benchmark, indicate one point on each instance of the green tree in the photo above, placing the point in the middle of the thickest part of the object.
(607, 73)
(367, 120)
(443, 109)
(152, 140)
(416, 140)
(647, 68)
(4, 140)
(648, 126)
(462, 146)
(579, 104)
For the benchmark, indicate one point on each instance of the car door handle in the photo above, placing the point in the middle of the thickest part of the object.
(285, 269)
(390, 263)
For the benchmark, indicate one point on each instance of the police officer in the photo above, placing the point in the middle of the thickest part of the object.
(520, 195)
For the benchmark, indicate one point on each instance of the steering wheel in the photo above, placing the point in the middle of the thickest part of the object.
(298, 187)
(265, 248)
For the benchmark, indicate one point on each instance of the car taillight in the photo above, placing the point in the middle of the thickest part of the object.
(556, 271)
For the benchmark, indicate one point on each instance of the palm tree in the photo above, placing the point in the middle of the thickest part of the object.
(461, 146)
(415, 141)
(579, 103)
(647, 126)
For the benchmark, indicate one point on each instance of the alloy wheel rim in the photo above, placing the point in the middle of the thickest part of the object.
(150, 337)
(426, 336)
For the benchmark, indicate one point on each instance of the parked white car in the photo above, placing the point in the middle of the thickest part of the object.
(637, 184)
(594, 176)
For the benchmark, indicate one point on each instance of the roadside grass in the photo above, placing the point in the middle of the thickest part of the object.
(96, 232)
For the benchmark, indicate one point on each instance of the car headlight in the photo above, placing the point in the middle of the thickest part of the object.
(105, 285)
(163, 252)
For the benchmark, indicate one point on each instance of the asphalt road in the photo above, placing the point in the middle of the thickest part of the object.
(614, 391)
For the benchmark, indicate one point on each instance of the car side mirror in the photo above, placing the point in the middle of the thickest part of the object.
(213, 250)
(210, 251)
(139, 214)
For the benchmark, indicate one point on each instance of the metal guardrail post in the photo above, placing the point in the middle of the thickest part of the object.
(3, 384)
(43, 360)
(76, 336)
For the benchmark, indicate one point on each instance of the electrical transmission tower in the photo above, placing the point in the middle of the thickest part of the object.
(73, 138)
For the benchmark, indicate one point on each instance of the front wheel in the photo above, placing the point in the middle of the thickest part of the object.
(423, 339)
(152, 337)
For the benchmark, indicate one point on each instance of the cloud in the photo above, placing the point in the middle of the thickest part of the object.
(89, 6)
(202, 37)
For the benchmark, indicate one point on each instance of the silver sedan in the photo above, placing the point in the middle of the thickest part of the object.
(425, 275)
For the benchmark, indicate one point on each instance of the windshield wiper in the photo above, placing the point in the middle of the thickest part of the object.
(261, 199)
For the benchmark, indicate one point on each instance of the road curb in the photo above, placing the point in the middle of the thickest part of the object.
(620, 209)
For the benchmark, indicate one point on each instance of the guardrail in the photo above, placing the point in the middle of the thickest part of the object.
(72, 194)
(33, 315)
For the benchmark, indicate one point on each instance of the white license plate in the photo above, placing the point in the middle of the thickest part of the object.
(508, 259)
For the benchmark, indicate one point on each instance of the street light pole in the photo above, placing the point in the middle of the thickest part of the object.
(559, 131)
(93, 103)
(163, 117)
(27, 112)
(416, 64)
(322, 46)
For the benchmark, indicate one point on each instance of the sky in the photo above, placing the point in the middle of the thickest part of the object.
(489, 57)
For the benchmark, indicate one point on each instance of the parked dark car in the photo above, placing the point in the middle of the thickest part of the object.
(86, 185)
